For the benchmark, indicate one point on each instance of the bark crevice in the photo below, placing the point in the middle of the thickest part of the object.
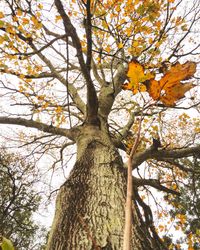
(90, 205)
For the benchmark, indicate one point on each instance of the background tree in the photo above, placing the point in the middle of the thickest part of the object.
(67, 62)
(18, 202)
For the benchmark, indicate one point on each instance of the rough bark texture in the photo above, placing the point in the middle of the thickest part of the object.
(90, 205)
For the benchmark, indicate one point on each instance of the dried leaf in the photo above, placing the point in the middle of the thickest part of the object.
(170, 88)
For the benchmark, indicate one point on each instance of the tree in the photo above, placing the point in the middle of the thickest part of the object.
(18, 200)
(66, 73)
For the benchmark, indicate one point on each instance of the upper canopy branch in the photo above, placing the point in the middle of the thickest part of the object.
(88, 28)
(163, 154)
(92, 101)
(39, 50)
(70, 133)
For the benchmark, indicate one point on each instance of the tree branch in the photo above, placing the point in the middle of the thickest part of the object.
(92, 101)
(39, 50)
(163, 154)
(70, 133)
(88, 28)
(54, 73)
(153, 183)
(108, 91)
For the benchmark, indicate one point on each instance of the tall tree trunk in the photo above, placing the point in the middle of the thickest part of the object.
(90, 205)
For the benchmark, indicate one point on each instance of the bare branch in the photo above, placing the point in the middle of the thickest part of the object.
(70, 133)
(163, 154)
(92, 101)
(153, 183)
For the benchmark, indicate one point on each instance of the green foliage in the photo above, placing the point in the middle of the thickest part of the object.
(18, 200)
(6, 244)
(188, 203)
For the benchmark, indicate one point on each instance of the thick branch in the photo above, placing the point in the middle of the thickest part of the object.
(163, 154)
(88, 28)
(70, 133)
(109, 91)
(153, 183)
(92, 101)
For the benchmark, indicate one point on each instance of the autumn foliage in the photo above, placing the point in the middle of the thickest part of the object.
(168, 89)
(63, 65)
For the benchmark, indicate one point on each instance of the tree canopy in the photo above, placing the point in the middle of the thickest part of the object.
(18, 201)
(67, 64)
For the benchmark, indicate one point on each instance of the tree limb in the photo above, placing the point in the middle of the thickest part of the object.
(70, 133)
(163, 154)
(153, 183)
(108, 91)
(92, 101)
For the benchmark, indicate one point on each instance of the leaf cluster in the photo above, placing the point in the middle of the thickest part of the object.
(18, 200)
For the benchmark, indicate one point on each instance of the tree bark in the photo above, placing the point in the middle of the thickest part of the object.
(90, 204)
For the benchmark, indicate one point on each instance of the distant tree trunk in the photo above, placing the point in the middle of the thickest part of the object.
(90, 205)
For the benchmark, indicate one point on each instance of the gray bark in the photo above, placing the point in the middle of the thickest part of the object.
(90, 205)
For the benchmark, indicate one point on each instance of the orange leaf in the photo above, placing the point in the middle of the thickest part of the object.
(127, 86)
(178, 72)
(170, 88)
(175, 93)
(134, 88)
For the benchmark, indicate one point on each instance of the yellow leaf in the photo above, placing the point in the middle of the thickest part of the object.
(15, 18)
(127, 86)
(108, 49)
(37, 24)
(137, 77)
(142, 88)
(10, 30)
(19, 12)
(40, 6)
(41, 97)
(21, 76)
(136, 73)
(20, 28)
(1, 24)
(58, 17)
(58, 109)
(118, 8)
(135, 44)
(182, 218)
(2, 40)
(184, 27)
(158, 24)
(150, 40)
(120, 45)
(174, 186)
(1, 14)
(45, 105)
(161, 228)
